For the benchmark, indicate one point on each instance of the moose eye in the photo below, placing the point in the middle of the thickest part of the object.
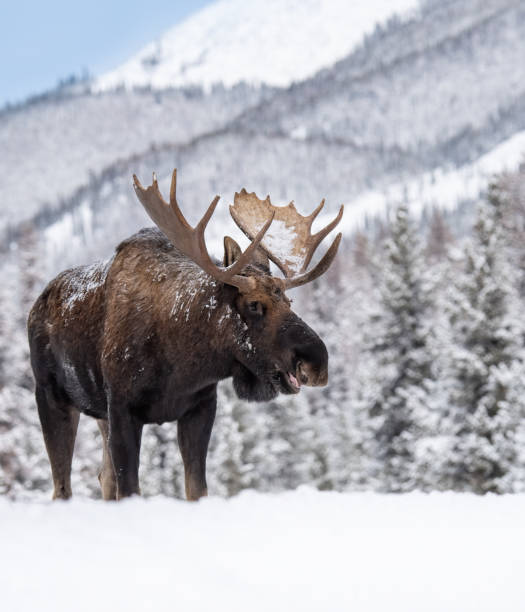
(256, 308)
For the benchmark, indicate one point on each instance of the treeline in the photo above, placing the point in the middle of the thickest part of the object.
(425, 331)
(426, 337)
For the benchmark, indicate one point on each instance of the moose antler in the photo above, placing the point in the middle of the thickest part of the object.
(189, 240)
(290, 243)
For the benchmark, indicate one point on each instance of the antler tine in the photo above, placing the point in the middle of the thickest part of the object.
(173, 188)
(202, 224)
(189, 240)
(320, 268)
(173, 199)
(246, 256)
(316, 211)
(316, 239)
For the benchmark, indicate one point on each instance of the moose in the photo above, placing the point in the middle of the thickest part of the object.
(146, 336)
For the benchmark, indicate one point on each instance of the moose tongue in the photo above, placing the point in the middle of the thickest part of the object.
(294, 380)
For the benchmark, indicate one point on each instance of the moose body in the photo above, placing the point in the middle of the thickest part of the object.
(147, 336)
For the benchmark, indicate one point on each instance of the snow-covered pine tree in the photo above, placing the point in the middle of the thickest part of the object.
(509, 190)
(396, 378)
(439, 237)
(486, 376)
(267, 447)
(23, 463)
(225, 462)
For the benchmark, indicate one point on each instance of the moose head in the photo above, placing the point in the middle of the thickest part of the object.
(282, 353)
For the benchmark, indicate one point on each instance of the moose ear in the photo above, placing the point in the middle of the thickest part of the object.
(232, 251)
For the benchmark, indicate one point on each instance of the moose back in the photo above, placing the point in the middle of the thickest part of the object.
(146, 337)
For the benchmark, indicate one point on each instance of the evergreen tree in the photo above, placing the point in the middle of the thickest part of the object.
(23, 464)
(396, 385)
(439, 237)
(334, 305)
(507, 192)
(486, 369)
(225, 462)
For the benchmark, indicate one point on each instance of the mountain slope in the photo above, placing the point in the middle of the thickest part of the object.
(414, 86)
(423, 99)
(262, 41)
(51, 148)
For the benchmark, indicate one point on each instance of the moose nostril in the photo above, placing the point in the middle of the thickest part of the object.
(303, 375)
(311, 375)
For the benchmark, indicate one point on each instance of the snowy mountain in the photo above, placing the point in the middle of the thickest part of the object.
(275, 42)
(366, 125)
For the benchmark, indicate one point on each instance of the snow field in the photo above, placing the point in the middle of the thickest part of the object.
(302, 550)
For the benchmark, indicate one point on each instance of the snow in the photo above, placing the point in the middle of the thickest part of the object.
(222, 43)
(280, 241)
(86, 279)
(301, 550)
(195, 282)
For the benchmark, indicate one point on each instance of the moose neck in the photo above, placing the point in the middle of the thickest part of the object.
(202, 321)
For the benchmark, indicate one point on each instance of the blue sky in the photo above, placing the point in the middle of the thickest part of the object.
(43, 41)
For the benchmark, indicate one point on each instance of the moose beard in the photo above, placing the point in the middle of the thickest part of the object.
(251, 388)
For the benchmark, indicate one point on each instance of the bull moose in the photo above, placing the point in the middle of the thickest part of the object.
(146, 336)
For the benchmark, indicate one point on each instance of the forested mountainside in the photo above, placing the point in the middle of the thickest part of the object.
(432, 87)
(418, 97)
(53, 146)
(425, 105)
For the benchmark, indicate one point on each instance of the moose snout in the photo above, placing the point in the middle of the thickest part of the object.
(311, 376)
(310, 354)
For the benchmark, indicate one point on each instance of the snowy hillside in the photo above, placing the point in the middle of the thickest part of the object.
(303, 550)
(51, 148)
(441, 189)
(262, 41)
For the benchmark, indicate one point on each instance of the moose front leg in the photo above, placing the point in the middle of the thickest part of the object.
(125, 433)
(193, 431)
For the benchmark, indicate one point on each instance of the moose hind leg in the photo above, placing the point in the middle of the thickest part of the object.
(59, 422)
(106, 476)
(193, 431)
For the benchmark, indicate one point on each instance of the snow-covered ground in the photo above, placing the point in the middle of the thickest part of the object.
(301, 550)
(261, 41)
